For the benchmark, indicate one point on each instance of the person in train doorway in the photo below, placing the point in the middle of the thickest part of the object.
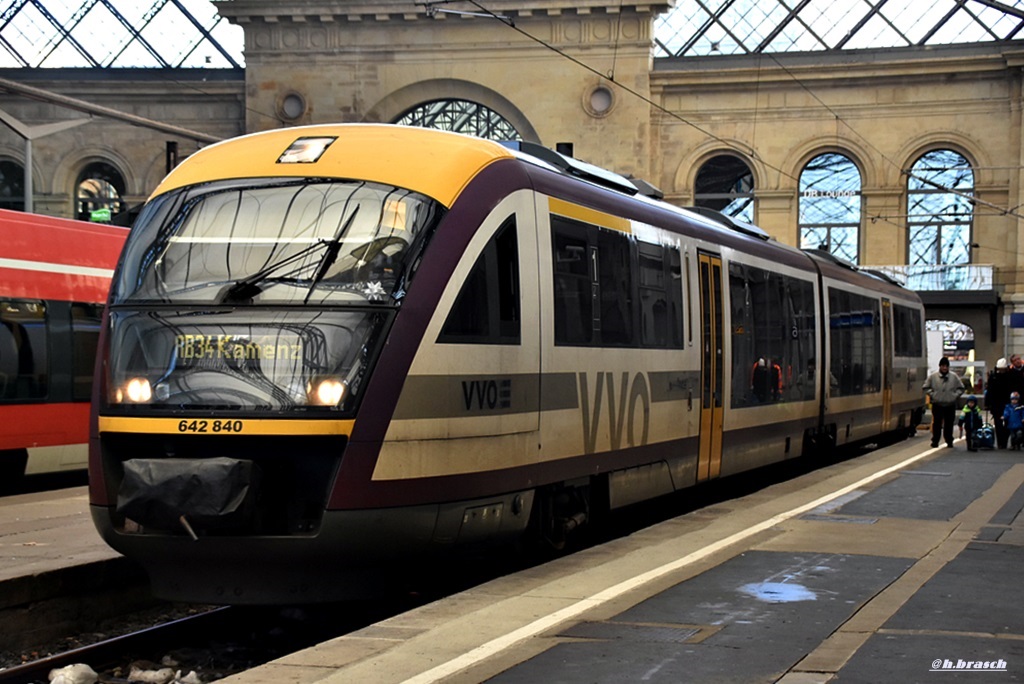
(943, 388)
(766, 381)
(1013, 415)
(971, 421)
(1001, 382)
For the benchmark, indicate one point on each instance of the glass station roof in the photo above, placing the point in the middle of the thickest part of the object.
(117, 33)
(698, 28)
(191, 34)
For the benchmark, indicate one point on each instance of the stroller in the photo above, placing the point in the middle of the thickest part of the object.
(981, 434)
(984, 437)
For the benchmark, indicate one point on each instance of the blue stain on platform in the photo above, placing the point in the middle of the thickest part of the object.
(778, 592)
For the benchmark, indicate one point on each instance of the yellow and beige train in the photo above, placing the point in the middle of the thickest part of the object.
(331, 351)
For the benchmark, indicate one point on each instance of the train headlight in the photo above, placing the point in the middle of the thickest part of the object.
(326, 391)
(135, 391)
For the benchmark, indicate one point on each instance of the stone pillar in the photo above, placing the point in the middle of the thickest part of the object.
(884, 237)
(1009, 276)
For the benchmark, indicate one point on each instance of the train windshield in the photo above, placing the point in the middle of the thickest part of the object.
(241, 359)
(276, 241)
(260, 296)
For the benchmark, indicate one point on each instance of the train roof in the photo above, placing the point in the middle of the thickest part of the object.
(835, 268)
(43, 257)
(34, 237)
(435, 163)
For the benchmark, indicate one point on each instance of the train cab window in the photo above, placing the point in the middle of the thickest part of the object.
(23, 349)
(486, 310)
(85, 334)
(773, 337)
(855, 330)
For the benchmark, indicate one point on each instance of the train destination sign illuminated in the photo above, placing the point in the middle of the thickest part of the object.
(237, 348)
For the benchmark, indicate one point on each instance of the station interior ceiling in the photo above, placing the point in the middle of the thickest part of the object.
(189, 35)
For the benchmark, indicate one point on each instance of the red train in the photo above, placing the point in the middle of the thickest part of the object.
(54, 277)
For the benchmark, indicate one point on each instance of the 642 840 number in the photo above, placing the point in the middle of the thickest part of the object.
(211, 426)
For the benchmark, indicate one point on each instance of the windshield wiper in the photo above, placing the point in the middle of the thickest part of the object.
(331, 254)
(249, 286)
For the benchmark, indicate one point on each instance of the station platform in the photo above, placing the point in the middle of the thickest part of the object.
(56, 573)
(903, 565)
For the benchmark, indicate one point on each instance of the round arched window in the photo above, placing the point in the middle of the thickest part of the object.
(939, 212)
(725, 183)
(830, 206)
(100, 188)
(460, 116)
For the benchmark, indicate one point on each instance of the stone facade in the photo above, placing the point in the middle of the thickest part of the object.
(582, 72)
(210, 103)
(373, 61)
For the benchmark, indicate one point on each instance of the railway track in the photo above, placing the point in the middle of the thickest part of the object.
(218, 642)
(109, 655)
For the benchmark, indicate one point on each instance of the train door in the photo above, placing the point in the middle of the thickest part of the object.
(886, 363)
(712, 371)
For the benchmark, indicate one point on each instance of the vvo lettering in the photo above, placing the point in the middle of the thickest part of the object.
(487, 394)
(628, 399)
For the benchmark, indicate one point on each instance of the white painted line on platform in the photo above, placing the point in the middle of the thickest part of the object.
(542, 624)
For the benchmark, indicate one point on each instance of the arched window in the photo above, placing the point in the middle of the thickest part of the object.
(725, 183)
(12, 185)
(830, 206)
(460, 116)
(939, 212)
(100, 188)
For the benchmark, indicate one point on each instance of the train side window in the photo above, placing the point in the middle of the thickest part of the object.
(23, 349)
(574, 291)
(909, 340)
(85, 335)
(661, 316)
(486, 310)
(855, 329)
(615, 289)
(773, 337)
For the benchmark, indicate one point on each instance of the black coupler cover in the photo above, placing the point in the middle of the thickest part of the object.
(211, 493)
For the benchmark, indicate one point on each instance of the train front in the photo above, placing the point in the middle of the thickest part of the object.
(243, 327)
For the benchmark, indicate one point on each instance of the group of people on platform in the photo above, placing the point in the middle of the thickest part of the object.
(1003, 389)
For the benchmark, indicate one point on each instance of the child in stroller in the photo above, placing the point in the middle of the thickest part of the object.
(1013, 416)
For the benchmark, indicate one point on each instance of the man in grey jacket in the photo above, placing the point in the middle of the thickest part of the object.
(944, 388)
